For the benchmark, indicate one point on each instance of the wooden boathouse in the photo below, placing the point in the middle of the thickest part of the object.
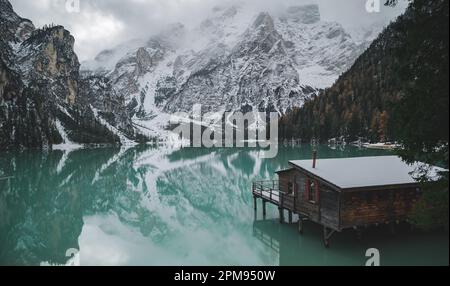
(343, 193)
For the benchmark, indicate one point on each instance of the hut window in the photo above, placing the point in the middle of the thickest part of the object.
(290, 187)
(312, 193)
(307, 189)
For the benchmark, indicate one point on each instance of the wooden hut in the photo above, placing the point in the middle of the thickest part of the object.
(344, 193)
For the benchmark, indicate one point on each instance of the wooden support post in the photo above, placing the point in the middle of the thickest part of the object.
(264, 208)
(290, 217)
(281, 215)
(327, 233)
(300, 224)
(255, 203)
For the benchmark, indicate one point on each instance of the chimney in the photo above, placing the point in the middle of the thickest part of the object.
(314, 158)
(314, 148)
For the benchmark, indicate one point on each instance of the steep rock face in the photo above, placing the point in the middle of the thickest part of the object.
(43, 99)
(129, 72)
(45, 109)
(13, 128)
(48, 54)
(97, 92)
(234, 60)
(14, 29)
(19, 118)
(257, 73)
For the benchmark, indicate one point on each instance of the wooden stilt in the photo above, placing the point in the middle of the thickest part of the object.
(327, 233)
(290, 217)
(264, 209)
(281, 215)
(255, 203)
(300, 225)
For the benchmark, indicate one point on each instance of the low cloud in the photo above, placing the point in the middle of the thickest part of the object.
(102, 24)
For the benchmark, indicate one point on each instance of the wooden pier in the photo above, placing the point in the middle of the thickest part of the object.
(269, 192)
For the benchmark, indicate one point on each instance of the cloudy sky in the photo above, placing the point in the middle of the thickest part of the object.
(102, 24)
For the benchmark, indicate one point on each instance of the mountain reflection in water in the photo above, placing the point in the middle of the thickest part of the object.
(164, 206)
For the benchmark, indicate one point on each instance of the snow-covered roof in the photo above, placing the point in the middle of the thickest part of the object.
(348, 173)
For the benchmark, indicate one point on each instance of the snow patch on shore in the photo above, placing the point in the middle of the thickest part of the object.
(67, 144)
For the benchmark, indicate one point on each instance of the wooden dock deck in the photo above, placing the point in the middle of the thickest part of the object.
(269, 192)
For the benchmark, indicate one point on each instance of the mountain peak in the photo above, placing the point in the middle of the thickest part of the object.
(6, 6)
(261, 37)
(14, 27)
(265, 21)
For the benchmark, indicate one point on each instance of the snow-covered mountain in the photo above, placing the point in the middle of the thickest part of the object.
(43, 100)
(236, 59)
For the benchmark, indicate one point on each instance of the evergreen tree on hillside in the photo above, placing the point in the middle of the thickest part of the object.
(421, 119)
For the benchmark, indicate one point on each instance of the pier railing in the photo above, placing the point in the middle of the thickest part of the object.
(270, 191)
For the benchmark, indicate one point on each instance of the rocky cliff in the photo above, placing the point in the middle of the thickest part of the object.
(43, 99)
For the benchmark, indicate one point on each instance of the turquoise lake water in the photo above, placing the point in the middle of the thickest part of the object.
(162, 206)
